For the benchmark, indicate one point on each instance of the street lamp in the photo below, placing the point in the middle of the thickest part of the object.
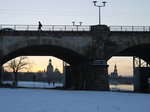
(80, 24)
(99, 6)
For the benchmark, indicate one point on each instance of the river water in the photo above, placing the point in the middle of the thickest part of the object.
(122, 87)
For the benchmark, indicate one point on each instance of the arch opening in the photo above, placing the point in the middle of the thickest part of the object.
(140, 51)
(141, 73)
(64, 54)
(120, 73)
(69, 56)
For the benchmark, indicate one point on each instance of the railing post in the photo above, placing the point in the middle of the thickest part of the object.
(1, 27)
(27, 27)
(143, 28)
(53, 28)
(14, 27)
(121, 28)
(132, 28)
(77, 27)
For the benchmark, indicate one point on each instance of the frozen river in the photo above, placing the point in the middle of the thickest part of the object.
(39, 100)
(123, 87)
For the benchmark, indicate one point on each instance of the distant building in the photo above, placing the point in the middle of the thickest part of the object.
(49, 75)
(116, 79)
(56, 71)
(53, 75)
(50, 68)
(115, 73)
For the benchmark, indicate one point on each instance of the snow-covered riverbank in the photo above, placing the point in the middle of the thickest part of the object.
(36, 100)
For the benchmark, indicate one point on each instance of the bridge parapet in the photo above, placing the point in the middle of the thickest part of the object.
(74, 28)
(100, 28)
(130, 28)
(45, 27)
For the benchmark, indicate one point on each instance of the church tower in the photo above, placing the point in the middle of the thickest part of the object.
(115, 73)
(50, 68)
(115, 70)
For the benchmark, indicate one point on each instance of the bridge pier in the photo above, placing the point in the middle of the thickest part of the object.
(1, 74)
(80, 74)
(98, 76)
(92, 76)
(141, 76)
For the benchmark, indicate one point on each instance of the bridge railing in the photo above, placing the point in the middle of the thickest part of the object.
(130, 28)
(46, 27)
(71, 28)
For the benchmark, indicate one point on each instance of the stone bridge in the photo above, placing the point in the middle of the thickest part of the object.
(87, 51)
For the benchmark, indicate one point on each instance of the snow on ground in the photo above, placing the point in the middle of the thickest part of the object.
(38, 84)
(35, 84)
(39, 100)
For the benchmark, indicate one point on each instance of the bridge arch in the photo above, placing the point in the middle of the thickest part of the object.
(129, 44)
(67, 55)
(139, 50)
(43, 47)
(64, 54)
(140, 73)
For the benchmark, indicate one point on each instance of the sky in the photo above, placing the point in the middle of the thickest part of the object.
(63, 12)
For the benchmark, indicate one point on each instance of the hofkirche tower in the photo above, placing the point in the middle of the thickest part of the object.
(115, 70)
(115, 73)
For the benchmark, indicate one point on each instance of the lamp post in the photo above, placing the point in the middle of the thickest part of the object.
(99, 6)
(80, 24)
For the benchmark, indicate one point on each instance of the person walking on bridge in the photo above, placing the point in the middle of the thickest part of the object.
(40, 26)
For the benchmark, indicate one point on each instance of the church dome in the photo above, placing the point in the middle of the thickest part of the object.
(57, 70)
(50, 67)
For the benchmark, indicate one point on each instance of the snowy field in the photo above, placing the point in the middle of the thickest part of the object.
(35, 84)
(39, 100)
(38, 84)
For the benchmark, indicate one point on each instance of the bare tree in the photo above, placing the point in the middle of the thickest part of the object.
(18, 64)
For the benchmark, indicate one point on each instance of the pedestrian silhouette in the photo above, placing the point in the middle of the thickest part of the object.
(49, 82)
(53, 83)
(40, 26)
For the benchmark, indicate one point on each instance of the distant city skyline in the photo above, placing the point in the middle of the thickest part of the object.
(43, 62)
(40, 63)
